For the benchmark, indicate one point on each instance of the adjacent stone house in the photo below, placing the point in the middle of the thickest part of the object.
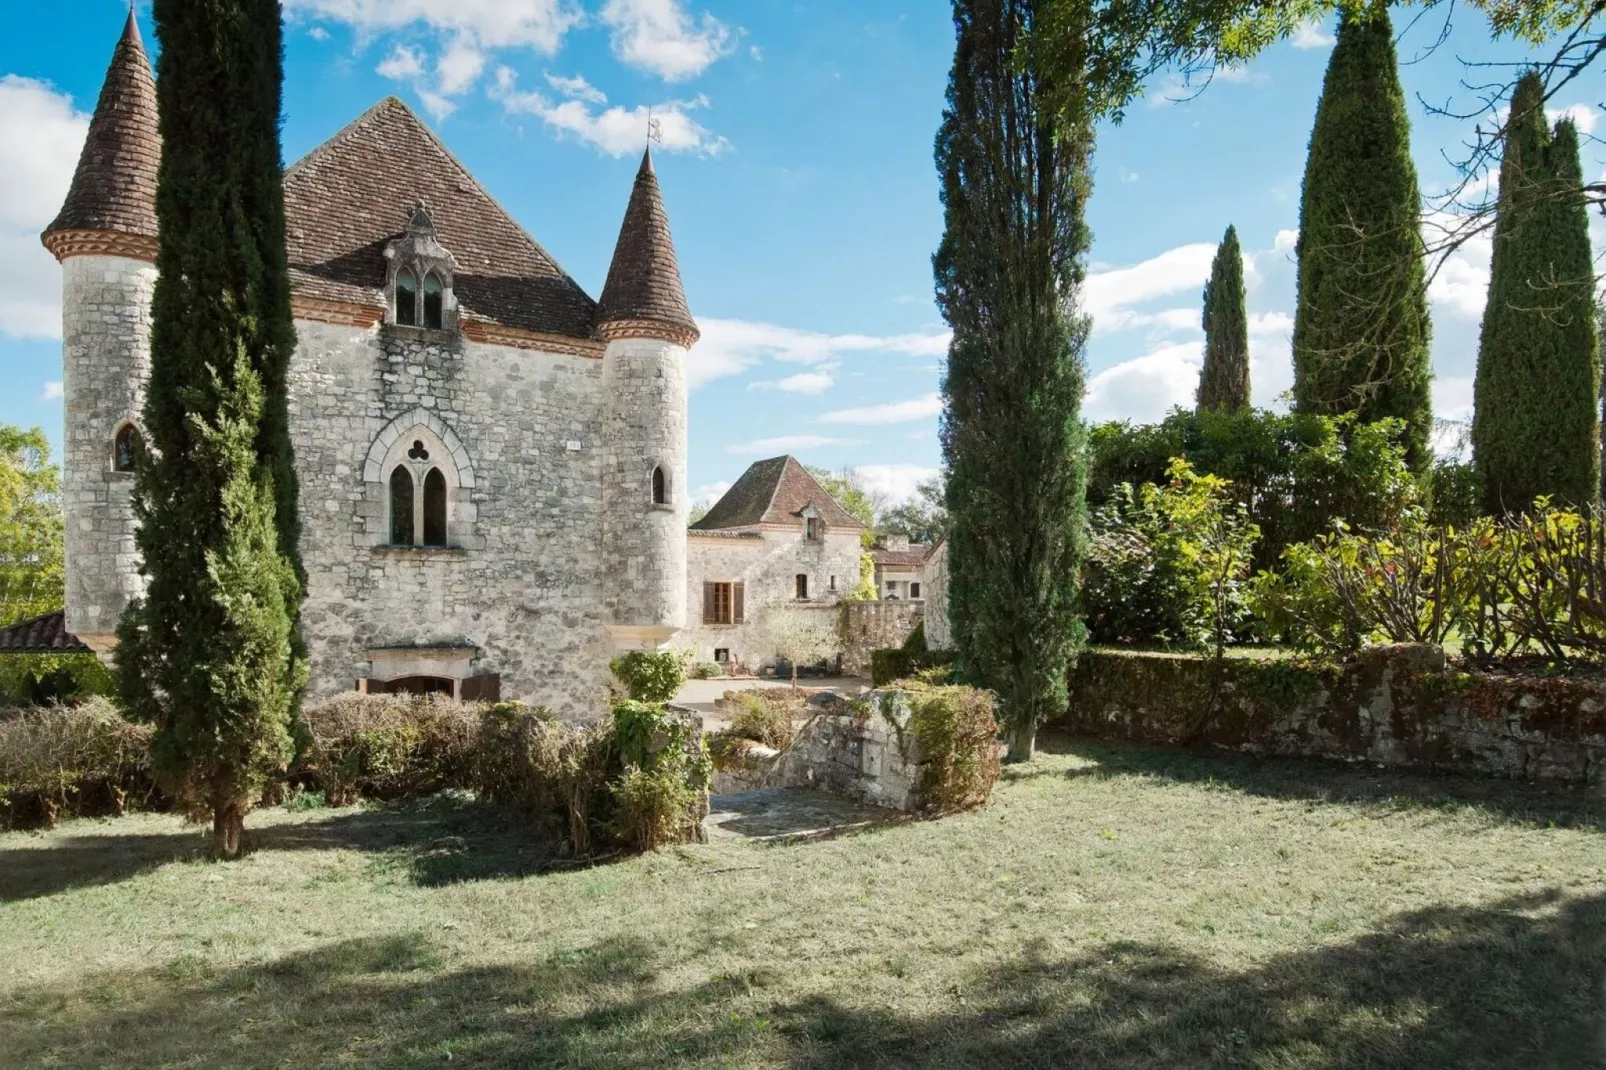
(492, 464)
(776, 538)
(899, 568)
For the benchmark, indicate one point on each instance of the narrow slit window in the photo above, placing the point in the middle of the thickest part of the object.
(802, 585)
(434, 308)
(434, 508)
(660, 487)
(406, 298)
(125, 450)
(401, 507)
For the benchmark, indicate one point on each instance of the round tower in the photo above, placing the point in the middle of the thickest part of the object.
(649, 329)
(105, 239)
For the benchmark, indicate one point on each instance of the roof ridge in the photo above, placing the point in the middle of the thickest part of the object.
(780, 475)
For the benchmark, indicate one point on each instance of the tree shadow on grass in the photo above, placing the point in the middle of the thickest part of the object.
(1517, 984)
(1319, 780)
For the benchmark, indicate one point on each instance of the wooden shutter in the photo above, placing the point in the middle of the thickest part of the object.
(486, 688)
(738, 610)
(710, 598)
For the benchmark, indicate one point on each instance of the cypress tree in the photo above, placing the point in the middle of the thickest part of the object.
(1361, 327)
(1008, 274)
(1224, 379)
(1535, 413)
(210, 654)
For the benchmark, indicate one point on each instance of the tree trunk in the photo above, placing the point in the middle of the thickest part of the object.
(1022, 738)
(228, 828)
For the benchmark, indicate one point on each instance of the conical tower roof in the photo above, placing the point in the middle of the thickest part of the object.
(643, 297)
(111, 206)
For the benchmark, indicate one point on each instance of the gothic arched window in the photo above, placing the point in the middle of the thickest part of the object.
(401, 506)
(660, 486)
(125, 448)
(434, 508)
(406, 298)
(434, 309)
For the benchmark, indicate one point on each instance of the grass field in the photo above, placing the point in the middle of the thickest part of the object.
(1111, 907)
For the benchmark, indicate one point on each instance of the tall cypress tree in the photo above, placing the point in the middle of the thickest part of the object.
(1536, 414)
(1224, 379)
(1361, 327)
(210, 654)
(1008, 274)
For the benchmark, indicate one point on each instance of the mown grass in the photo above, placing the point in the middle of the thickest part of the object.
(1111, 907)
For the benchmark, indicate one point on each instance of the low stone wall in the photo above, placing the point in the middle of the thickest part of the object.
(1396, 706)
(871, 626)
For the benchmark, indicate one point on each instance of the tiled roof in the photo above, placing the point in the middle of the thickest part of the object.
(41, 635)
(702, 534)
(644, 279)
(913, 557)
(114, 188)
(775, 491)
(352, 195)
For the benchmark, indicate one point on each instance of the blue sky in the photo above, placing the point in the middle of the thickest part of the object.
(797, 169)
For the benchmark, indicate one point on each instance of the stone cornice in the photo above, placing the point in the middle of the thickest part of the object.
(617, 330)
(496, 334)
(65, 243)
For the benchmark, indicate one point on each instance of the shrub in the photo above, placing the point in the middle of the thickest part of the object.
(897, 664)
(527, 760)
(956, 730)
(916, 643)
(70, 761)
(762, 720)
(707, 670)
(661, 792)
(386, 746)
(651, 676)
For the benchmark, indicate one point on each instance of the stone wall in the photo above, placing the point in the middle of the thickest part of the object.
(871, 626)
(939, 636)
(1396, 706)
(767, 566)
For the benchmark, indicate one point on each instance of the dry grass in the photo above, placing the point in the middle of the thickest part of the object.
(1111, 907)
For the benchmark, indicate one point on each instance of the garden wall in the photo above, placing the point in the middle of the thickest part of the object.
(1397, 706)
(871, 626)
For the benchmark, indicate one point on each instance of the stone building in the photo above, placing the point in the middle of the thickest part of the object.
(492, 464)
(899, 568)
(776, 538)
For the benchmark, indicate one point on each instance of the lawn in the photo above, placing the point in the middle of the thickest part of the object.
(1111, 907)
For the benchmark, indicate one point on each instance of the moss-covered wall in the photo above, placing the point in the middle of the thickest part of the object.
(1398, 706)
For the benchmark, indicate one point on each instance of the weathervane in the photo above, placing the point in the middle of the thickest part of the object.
(655, 128)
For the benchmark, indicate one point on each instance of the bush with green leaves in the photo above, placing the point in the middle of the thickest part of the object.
(896, 663)
(763, 720)
(1169, 563)
(955, 729)
(386, 746)
(70, 761)
(661, 792)
(707, 670)
(651, 676)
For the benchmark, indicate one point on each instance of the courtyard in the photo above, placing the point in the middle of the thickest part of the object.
(1110, 906)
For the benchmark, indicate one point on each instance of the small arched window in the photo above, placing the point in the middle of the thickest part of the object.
(660, 487)
(406, 298)
(434, 508)
(434, 309)
(125, 448)
(401, 507)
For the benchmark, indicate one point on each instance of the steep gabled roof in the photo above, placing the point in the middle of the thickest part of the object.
(776, 491)
(41, 635)
(353, 194)
(914, 557)
(114, 188)
(643, 284)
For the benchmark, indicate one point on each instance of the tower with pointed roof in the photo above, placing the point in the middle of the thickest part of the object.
(105, 239)
(649, 329)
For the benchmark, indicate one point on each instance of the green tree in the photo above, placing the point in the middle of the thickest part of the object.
(31, 570)
(924, 518)
(1224, 379)
(1536, 403)
(848, 491)
(210, 655)
(1361, 326)
(1009, 272)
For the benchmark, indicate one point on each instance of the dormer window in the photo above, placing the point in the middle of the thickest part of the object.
(814, 529)
(419, 276)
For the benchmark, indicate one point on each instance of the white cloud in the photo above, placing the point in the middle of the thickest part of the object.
(1584, 116)
(786, 444)
(614, 131)
(1146, 388)
(1108, 295)
(404, 64)
(1452, 397)
(460, 66)
(576, 88)
(1273, 323)
(658, 37)
(43, 136)
(318, 33)
(1311, 35)
(729, 347)
(896, 483)
(54, 390)
(897, 412)
(709, 493)
(801, 383)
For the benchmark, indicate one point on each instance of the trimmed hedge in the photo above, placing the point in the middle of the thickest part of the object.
(386, 746)
(71, 761)
(899, 664)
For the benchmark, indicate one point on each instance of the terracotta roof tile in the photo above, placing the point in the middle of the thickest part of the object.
(644, 278)
(775, 491)
(914, 557)
(352, 195)
(41, 635)
(114, 188)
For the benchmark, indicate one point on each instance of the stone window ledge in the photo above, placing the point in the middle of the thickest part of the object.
(662, 507)
(420, 551)
(115, 476)
(422, 334)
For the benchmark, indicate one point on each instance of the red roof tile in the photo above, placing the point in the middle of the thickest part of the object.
(41, 635)
(644, 279)
(775, 491)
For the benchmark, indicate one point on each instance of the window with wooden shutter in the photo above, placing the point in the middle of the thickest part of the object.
(739, 612)
(709, 600)
(722, 603)
(484, 688)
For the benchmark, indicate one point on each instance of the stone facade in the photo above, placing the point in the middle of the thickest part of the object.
(106, 355)
(767, 564)
(939, 633)
(871, 626)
